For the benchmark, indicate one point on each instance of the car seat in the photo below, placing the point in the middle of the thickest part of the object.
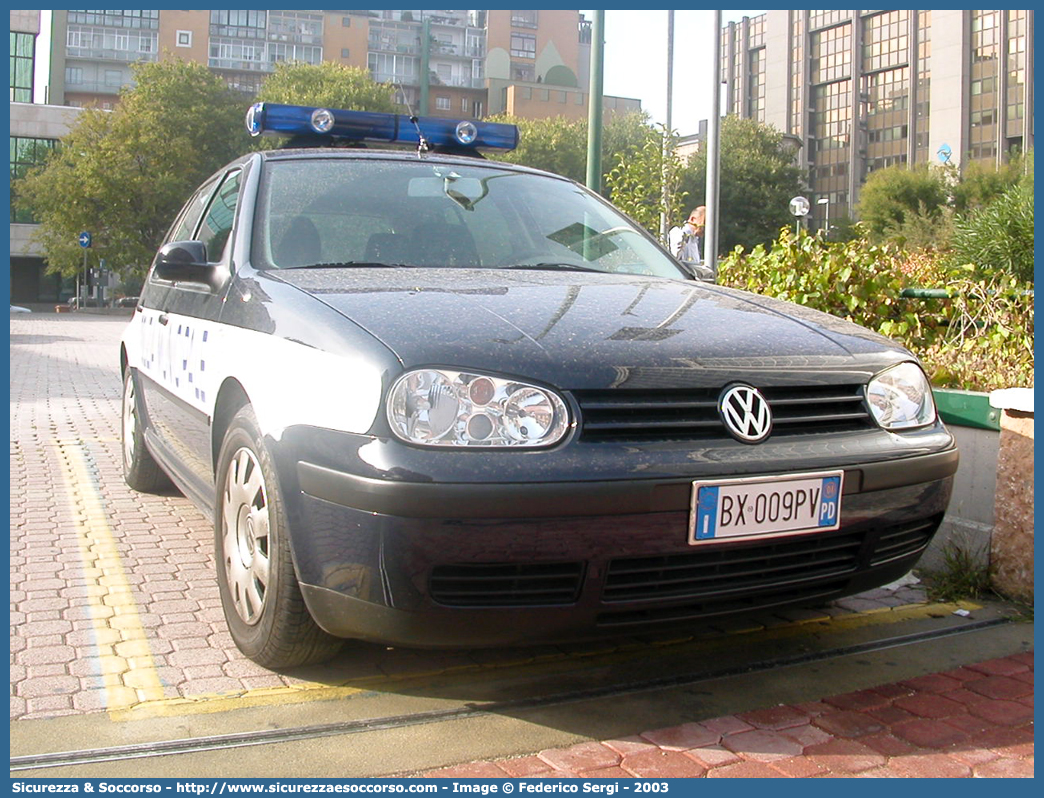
(299, 245)
(441, 244)
(386, 248)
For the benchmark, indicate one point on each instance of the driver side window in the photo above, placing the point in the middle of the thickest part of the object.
(216, 227)
(186, 225)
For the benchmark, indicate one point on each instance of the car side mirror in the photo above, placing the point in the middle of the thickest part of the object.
(185, 262)
(699, 271)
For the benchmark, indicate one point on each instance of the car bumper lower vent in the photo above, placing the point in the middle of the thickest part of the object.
(902, 541)
(722, 605)
(506, 585)
(719, 573)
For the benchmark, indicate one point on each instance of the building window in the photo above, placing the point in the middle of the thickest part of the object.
(523, 71)
(184, 38)
(110, 44)
(345, 53)
(442, 103)
(25, 154)
(463, 105)
(116, 19)
(831, 54)
(388, 68)
(524, 19)
(73, 75)
(885, 40)
(239, 24)
(346, 22)
(231, 54)
(113, 78)
(23, 46)
(523, 45)
(303, 53)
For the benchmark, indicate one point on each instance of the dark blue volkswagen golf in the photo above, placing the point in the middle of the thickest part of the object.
(434, 400)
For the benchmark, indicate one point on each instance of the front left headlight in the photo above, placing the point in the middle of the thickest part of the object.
(901, 398)
(439, 407)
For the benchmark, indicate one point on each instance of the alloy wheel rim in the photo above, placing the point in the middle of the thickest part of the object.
(246, 536)
(130, 423)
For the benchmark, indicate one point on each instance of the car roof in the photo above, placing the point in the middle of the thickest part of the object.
(410, 156)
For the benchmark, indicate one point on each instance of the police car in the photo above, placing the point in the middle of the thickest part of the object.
(430, 399)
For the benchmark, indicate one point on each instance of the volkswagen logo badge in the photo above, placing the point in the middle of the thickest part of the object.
(746, 413)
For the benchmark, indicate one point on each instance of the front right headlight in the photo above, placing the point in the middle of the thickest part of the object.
(439, 407)
(901, 398)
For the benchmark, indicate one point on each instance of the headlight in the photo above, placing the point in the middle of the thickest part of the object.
(901, 398)
(438, 407)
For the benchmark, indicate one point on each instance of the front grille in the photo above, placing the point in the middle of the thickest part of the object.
(627, 415)
(506, 585)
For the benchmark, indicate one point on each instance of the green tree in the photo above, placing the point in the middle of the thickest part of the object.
(999, 236)
(326, 85)
(757, 180)
(896, 195)
(559, 145)
(982, 183)
(123, 175)
(640, 181)
(556, 145)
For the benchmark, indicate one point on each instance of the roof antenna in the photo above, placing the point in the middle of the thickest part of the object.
(422, 143)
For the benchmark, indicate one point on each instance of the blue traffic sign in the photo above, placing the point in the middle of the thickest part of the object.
(85, 239)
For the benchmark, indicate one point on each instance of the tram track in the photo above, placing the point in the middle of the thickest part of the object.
(43, 762)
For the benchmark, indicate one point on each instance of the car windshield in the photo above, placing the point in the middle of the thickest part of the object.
(363, 213)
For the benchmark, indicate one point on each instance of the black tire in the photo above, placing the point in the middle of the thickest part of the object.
(260, 595)
(140, 471)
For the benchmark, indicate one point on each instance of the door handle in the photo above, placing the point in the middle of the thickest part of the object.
(163, 319)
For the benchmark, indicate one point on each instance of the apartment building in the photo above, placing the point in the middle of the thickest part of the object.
(862, 90)
(477, 62)
(34, 131)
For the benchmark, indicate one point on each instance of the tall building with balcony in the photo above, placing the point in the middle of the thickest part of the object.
(862, 90)
(35, 130)
(462, 63)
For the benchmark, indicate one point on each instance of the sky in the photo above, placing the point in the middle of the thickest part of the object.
(635, 61)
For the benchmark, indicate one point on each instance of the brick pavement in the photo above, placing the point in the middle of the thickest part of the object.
(974, 721)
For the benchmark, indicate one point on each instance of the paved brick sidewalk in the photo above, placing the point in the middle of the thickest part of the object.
(975, 721)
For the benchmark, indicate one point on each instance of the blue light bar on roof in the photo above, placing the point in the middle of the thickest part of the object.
(298, 120)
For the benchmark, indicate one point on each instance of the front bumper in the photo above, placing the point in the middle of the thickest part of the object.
(473, 564)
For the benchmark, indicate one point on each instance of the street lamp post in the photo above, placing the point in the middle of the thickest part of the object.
(825, 201)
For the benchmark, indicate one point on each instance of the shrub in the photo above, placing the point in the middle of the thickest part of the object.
(998, 236)
(855, 280)
(981, 338)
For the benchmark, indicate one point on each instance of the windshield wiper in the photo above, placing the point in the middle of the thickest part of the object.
(551, 266)
(350, 264)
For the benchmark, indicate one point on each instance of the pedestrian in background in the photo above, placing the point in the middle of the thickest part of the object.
(686, 241)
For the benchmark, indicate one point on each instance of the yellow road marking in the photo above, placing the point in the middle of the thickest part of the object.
(301, 693)
(125, 664)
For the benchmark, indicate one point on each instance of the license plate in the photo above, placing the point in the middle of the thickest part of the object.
(765, 506)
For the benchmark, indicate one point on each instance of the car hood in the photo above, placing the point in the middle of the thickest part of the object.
(585, 330)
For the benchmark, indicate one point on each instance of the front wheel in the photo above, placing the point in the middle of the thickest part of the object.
(260, 595)
(140, 470)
